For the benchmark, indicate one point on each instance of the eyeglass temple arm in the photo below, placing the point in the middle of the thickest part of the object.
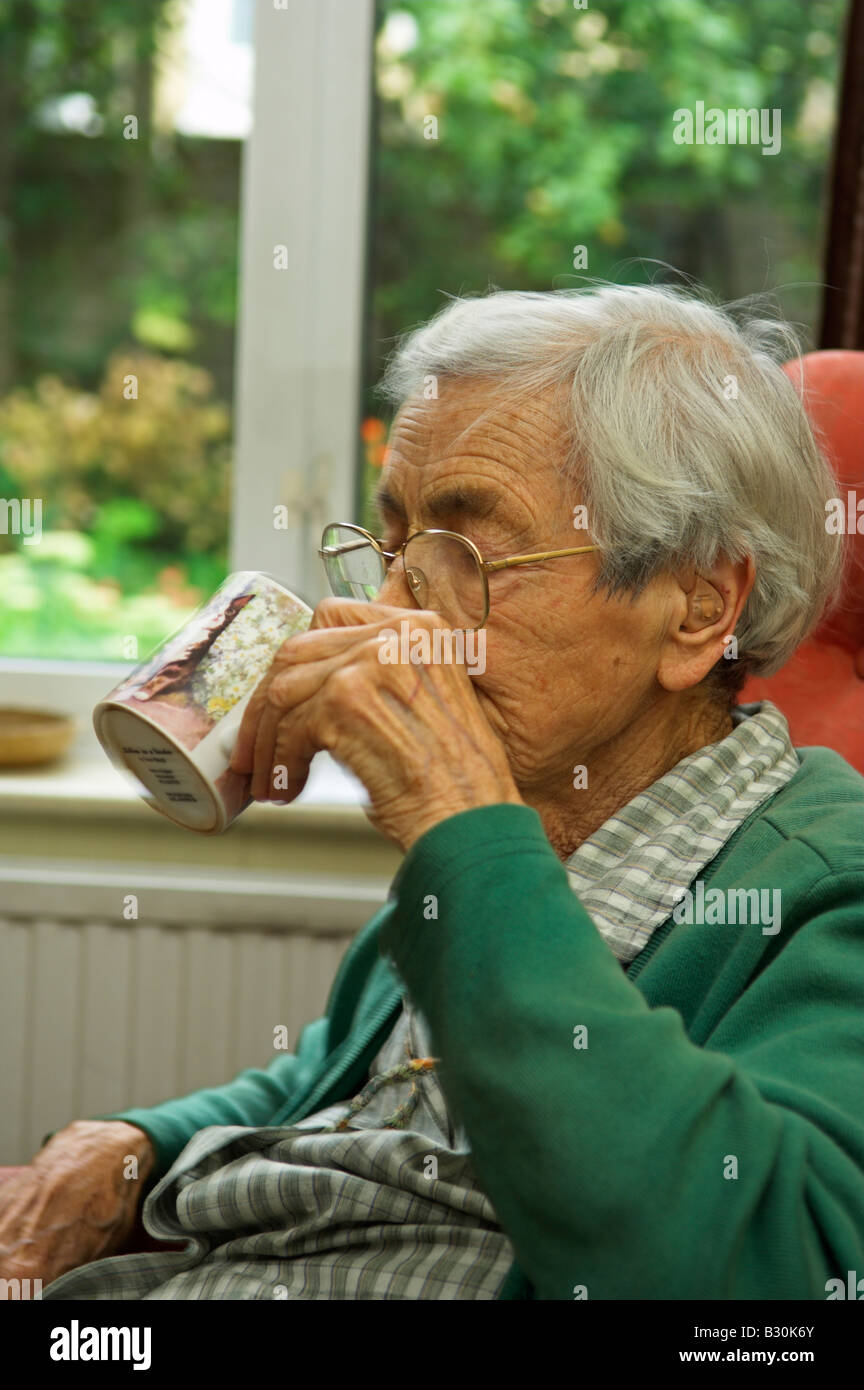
(326, 550)
(490, 565)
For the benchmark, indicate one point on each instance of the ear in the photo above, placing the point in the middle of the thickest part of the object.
(705, 609)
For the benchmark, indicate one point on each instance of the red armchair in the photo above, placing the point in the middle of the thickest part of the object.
(821, 687)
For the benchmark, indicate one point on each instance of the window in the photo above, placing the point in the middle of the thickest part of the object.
(532, 145)
(124, 128)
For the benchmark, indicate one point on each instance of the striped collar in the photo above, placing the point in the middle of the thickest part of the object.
(629, 873)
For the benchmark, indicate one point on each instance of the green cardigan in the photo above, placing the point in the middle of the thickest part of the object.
(708, 1142)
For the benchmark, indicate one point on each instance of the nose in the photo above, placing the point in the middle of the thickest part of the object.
(396, 590)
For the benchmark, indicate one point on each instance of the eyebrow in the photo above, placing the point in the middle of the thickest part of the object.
(386, 503)
(454, 498)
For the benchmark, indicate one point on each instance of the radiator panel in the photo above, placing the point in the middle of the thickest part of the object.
(98, 1016)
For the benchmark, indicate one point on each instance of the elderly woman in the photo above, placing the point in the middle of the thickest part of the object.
(604, 1040)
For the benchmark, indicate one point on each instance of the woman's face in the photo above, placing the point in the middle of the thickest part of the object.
(566, 670)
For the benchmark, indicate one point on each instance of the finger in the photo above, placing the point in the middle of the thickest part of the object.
(342, 612)
(244, 748)
(303, 647)
(323, 642)
(351, 612)
(330, 642)
(273, 697)
(295, 749)
(288, 692)
(325, 648)
(298, 673)
(261, 787)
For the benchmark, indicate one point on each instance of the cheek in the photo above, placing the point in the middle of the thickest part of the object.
(614, 653)
(530, 674)
(555, 679)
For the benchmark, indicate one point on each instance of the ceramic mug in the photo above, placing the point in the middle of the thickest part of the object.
(173, 722)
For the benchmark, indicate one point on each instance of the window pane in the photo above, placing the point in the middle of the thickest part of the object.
(531, 145)
(121, 132)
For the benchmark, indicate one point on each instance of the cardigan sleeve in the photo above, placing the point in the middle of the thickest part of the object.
(624, 1160)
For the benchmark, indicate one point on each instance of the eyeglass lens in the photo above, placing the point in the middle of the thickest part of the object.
(356, 570)
(444, 576)
(441, 571)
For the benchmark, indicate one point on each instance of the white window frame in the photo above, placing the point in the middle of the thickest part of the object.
(304, 185)
(305, 182)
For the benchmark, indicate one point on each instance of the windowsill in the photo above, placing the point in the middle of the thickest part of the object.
(85, 783)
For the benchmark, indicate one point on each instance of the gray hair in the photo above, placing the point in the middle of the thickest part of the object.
(687, 438)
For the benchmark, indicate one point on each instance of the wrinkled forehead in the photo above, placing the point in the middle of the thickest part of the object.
(473, 419)
(478, 454)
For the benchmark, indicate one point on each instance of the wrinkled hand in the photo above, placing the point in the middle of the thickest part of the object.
(415, 735)
(72, 1204)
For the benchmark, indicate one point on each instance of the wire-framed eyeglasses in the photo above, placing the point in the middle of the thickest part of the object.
(444, 570)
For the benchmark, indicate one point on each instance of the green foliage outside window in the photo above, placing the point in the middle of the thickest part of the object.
(554, 130)
(134, 503)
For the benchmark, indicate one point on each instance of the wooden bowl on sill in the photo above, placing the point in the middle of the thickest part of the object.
(30, 737)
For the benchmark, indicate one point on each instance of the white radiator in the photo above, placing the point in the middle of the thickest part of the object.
(103, 1014)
